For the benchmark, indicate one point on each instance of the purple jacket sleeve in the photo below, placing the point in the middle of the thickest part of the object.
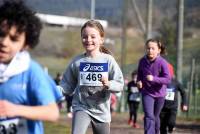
(164, 77)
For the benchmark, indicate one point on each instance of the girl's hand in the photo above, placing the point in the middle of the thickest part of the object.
(139, 84)
(7, 109)
(149, 77)
(105, 82)
(184, 108)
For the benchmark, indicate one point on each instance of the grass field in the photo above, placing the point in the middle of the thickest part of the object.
(62, 126)
(56, 128)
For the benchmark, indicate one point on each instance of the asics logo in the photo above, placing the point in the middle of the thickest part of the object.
(87, 66)
(92, 68)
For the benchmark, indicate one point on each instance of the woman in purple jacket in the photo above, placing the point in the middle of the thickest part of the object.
(153, 76)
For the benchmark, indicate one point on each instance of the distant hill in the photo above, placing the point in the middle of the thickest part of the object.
(105, 9)
(111, 10)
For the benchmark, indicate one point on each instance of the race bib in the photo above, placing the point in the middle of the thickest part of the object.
(170, 94)
(13, 126)
(134, 90)
(92, 73)
(134, 97)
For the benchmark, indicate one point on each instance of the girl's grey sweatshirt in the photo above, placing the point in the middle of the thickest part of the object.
(81, 79)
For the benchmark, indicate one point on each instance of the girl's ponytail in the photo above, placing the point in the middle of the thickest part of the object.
(105, 50)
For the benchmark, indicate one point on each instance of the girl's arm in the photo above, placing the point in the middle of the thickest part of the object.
(116, 79)
(48, 112)
(180, 88)
(164, 77)
(69, 80)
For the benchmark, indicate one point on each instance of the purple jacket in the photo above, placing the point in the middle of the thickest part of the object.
(161, 77)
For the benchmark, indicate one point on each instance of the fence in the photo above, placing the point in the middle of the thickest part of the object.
(193, 91)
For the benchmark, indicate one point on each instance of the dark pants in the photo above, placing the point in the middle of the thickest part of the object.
(167, 120)
(152, 107)
(69, 102)
(133, 108)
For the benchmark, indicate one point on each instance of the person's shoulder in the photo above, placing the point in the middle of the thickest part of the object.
(161, 59)
(78, 57)
(35, 67)
(34, 64)
(143, 58)
(108, 56)
(129, 83)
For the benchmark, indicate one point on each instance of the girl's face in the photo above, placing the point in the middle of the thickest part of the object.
(152, 50)
(11, 42)
(91, 39)
(134, 77)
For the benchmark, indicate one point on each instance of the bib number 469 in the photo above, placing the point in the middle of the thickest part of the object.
(93, 77)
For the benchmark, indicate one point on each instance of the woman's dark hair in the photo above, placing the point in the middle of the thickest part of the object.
(16, 13)
(160, 45)
(97, 25)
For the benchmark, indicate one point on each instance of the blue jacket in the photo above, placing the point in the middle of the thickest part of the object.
(31, 87)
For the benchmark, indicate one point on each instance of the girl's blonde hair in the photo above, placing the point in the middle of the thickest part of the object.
(97, 25)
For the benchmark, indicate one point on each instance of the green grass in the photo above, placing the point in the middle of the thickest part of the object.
(53, 64)
(63, 126)
(56, 128)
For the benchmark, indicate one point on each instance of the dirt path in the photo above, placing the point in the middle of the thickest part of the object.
(119, 126)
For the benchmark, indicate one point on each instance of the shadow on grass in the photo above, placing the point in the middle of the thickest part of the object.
(190, 127)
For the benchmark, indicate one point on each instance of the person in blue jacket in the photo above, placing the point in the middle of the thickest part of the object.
(27, 94)
(153, 77)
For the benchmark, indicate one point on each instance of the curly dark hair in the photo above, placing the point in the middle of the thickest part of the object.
(16, 13)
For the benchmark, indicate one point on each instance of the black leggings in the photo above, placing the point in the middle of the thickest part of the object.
(167, 120)
(133, 108)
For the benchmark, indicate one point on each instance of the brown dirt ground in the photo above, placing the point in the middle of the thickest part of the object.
(119, 125)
